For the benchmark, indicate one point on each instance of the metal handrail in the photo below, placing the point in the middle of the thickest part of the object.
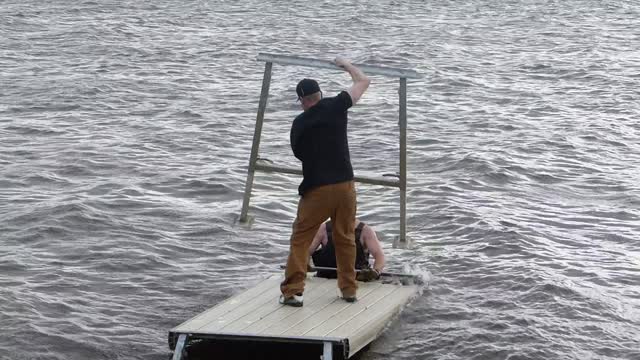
(324, 64)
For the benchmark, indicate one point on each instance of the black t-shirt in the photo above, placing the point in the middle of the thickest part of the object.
(319, 140)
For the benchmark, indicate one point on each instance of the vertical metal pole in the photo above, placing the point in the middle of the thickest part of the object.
(327, 353)
(177, 352)
(403, 161)
(264, 95)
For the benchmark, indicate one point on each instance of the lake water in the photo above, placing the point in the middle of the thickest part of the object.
(125, 134)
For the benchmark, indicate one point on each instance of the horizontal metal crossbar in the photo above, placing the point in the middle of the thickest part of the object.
(262, 165)
(367, 69)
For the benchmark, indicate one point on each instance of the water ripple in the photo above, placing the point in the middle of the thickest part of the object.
(125, 134)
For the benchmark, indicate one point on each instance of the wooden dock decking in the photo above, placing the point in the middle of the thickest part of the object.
(324, 320)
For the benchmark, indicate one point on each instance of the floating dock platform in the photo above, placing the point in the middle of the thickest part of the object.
(338, 329)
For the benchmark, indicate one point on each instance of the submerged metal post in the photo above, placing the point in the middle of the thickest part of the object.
(327, 351)
(177, 352)
(403, 162)
(264, 95)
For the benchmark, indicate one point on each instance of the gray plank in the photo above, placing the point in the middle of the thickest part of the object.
(287, 315)
(365, 328)
(322, 288)
(202, 319)
(272, 313)
(216, 324)
(360, 308)
(304, 321)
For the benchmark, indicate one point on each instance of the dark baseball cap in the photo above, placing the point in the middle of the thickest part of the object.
(307, 87)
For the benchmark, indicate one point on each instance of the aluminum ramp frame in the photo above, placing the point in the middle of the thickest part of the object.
(400, 180)
(325, 320)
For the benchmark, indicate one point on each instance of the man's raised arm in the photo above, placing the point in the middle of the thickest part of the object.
(360, 80)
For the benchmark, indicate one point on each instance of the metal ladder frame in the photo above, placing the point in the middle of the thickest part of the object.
(255, 164)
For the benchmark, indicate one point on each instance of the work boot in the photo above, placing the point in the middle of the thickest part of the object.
(349, 298)
(295, 300)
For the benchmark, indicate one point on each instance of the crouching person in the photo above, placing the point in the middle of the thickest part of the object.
(322, 251)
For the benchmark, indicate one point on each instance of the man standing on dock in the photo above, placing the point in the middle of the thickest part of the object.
(319, 141)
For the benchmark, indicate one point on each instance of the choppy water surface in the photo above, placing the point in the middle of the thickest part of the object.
(125, 131)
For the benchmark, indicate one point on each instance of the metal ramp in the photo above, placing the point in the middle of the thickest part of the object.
(337, 328)
(398, 180)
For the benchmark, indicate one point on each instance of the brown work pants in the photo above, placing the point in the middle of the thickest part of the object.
(335, 201)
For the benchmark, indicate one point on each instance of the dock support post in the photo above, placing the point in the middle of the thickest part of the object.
(177, 352)
(264, 95)
(327, 353)
(402, 241)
